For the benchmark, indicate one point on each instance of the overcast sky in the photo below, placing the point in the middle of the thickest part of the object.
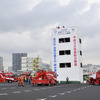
(25, 26)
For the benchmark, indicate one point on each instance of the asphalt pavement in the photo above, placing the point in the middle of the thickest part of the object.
(10, 91)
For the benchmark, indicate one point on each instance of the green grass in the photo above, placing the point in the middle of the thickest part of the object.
(71, 82)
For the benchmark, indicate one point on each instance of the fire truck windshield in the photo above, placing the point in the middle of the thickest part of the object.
(6, 75)
(11, 75)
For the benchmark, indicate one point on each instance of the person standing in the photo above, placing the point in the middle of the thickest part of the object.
(18, 81)
(4, 79)
(67, 80)
(25, 80)
(22, 81)
(29, 80)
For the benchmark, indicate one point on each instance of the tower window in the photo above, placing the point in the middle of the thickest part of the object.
(63, 40)
(80, 41)
(81, 53)
(62, 65)
(61, 53)
(68, 64)
(67, 52)
(65, 65)
(67, 39)
(81, 65)
(64, 52)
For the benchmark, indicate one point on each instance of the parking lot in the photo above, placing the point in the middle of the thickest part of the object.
(10, 91)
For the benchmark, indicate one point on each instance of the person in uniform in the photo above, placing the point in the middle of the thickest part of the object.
(67, 80)
(22, 81)
(18, 81)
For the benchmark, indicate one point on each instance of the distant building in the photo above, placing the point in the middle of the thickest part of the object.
(45, 66)
(89, 68)
(9, 69)
(67, 54)
(17, 60)
(1, 64)
(27, 63)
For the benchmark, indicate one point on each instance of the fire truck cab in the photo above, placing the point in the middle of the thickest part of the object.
(94, 78)
(2, 78)
(9, 77)
(45, 78)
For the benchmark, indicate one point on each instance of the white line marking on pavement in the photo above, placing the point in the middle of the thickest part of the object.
(53, 96)
(27, 90)
(36, 89)
(3, 94)
(59, 86)
(4, 88)
(74, 90)
(41, 99)
(61, 93)
(82, 88)
(78, 89)
(6, 84)
(55, 86)
(74, 84)
(12, 87)
(17, 92)
(88, 86)
(49, 87)
(43, 88)
(69, 92)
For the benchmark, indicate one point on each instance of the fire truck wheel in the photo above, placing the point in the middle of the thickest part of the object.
(39, 84)
(9, 81)
(33, 85)
(99, 82)
(55, 83)
(49, 83)
(93, 82)
(89, 83)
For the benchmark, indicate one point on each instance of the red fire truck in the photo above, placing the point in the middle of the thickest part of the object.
(94, 78)
(26, 74)
(45, 78)
(7, 77)
(2, 78)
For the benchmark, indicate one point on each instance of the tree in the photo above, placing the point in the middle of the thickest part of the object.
(36, 64)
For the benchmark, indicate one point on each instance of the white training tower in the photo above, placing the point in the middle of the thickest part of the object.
(67, 54)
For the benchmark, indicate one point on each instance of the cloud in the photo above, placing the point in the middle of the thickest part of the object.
(47, 12)
(25, 25)
(63, 2)
(94, 1)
